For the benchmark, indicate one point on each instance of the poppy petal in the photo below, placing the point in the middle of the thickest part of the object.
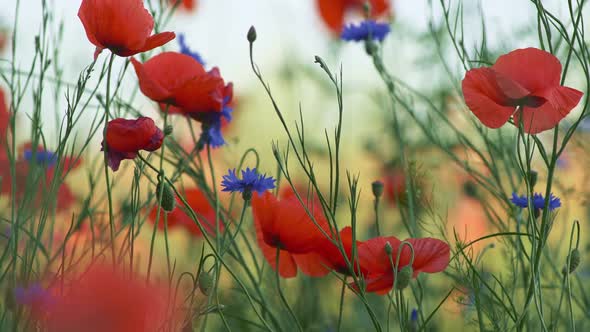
(148, 84)
(485, 99)
(431, 255)
(157, 40)
(380, 284)
(560, 101)
(534, 69)
(332, 12)
(202, 93)
(373, 257)
(311, 264)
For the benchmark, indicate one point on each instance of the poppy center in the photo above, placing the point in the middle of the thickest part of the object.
(530, 101)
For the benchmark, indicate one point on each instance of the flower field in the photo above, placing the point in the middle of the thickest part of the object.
(294, 165)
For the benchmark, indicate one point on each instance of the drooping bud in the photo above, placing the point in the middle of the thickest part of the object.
(252, 34)
(377, 187)
(205, 282)
(167, 200)
(533, 177)
(388, 248)
(574, 260)
(404, 276)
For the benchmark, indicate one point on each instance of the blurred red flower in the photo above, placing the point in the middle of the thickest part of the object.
(178, 218)
(179, 80)
(285, 224)
(4, 120)
(104, 298)
(394, 183)
(334, 11)
(124, 139)
(430, 256)
(524, 82)
(188, 5)
(124, 27)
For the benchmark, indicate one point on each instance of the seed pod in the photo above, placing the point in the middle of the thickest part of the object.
(205, 282)
(404, 276)
(168, 200)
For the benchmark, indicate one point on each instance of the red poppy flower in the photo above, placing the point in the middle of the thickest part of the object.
(4, 119)
(124, 139)
(286, 225)
(3, 39)
(430, 256)
(106, 299)
(178, 218)
(179, 80)
(124, 27)
(334, 11)
(332, 256)
(394, 183)
(188, 5)
(523, 83)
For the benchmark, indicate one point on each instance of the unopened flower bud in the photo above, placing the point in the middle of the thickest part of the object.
(205, 282)
(252, 34)
(533, 177)
(574, 260)
(167, 200)
(377, 187)
(404, 276)
(388, 248)
(168, 130)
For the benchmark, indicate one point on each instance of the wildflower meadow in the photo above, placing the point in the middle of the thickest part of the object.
(294, 165)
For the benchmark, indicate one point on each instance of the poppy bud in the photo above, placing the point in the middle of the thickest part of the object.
(168, 130)
(533, 176)
(167, 200)
(404, 276)
(377, 187)
(205, 282)
(574, 260)
(388, 248)
(252, 34)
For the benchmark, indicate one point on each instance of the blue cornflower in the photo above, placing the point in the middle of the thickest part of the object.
(251, 181)
(414, 315)
(34, 295)
(184, 49)
(414, 320)
(538, 201)
(366, 30)
(41, 157)
(211, 125)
